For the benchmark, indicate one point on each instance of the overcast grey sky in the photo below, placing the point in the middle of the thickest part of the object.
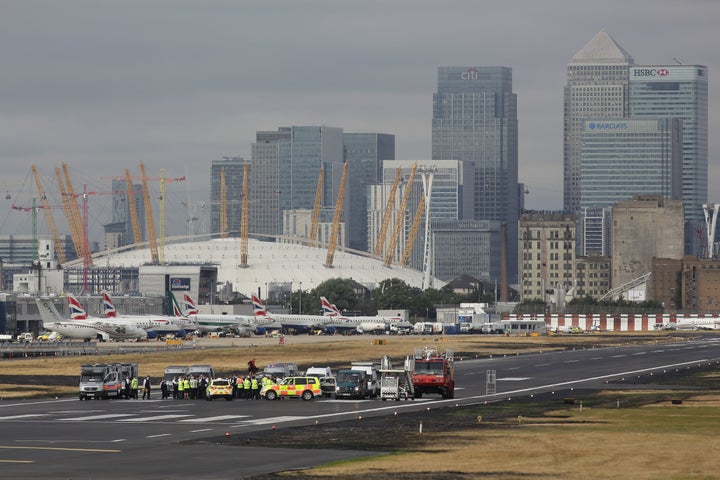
(104, 85)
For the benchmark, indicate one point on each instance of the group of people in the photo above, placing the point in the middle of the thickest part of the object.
(131, 387)
(249, 387)
(185, 387)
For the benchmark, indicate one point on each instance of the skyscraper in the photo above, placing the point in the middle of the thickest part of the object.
(284, 172)
(233, 170)
(475, 120)
(680, 91)
(622, 158)
(364, 153)
(597, 87)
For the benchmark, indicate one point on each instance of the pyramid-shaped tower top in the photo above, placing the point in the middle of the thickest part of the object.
(602, 49)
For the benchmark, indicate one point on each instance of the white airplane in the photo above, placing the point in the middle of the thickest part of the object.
(695, 324)
(289, 321)
(242, 325)
(87, 329)
(363, 324)
(152, 324)
(78, 313)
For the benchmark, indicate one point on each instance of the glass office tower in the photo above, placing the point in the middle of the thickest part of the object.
(233, 168)
(284, 172)
(597, 86)
(364, 153)
(475, 120)
(620, 159)
(680, 91)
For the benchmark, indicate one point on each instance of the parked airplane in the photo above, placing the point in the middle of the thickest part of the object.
(363, 324)
(152, 324)
(207, 322)
(696, 324)
(77, 312)
(290, 321)
(86, 329)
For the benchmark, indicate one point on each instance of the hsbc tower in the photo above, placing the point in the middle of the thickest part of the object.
(680, 91)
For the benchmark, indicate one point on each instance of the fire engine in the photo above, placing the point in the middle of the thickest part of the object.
(433, 372)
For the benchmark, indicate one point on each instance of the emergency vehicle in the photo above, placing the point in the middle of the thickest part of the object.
(219, 387)
(433, 372)
(303, 387)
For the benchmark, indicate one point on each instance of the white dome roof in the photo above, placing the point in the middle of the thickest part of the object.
(270, 263)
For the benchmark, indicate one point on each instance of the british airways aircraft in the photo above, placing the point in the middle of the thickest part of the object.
(288, 321)
(153, 324)
(363, 324)
(86, 328)
(209, 322)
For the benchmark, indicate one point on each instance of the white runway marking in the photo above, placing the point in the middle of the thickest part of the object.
(147, 419)
(212, 419)
(97, 417)
(28, 415)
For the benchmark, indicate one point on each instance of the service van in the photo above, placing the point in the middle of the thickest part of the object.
(319, 372)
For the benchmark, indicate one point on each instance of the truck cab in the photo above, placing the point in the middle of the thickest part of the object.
(351, 384)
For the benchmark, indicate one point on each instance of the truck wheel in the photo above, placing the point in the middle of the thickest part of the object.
(307, 395)
(209, 398)
(228, 398)
(271, 395)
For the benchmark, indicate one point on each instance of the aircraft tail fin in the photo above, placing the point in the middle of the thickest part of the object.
(77, 312)
(190, 307)
(176, 310)
(48, 312)
(258, 307)
(108, 306)
(327, 308)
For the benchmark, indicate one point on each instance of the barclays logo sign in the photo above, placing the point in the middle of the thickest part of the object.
(608, 126)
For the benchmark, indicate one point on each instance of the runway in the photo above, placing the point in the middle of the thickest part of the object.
(143, 439)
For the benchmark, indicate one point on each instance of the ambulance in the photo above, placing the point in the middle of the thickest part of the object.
(293, 387)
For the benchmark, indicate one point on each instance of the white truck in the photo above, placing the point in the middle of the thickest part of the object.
(372, 375)
(103, 380)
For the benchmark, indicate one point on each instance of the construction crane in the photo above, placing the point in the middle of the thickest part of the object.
(413, 231)
(332, 243)
(59, 250)
(390, 253)
(386, 218)
(137, 233)
(80, 224)
(73, 223)
(149, 220)
(315, 219)
(245, 220)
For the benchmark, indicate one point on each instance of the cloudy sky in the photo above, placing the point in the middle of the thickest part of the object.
(104, 85)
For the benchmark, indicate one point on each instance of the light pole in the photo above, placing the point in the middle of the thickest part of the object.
(300, 300)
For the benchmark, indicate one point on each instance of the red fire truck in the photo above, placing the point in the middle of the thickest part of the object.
(433, 372)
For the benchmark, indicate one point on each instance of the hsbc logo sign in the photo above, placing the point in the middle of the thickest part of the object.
(651, 72)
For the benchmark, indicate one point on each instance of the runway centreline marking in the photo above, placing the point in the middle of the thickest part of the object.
(17, 461)
(59, 449)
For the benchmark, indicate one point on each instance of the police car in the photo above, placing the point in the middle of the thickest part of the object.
(219, 387)
(304, 387)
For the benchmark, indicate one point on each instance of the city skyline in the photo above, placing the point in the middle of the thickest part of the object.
(184, 84)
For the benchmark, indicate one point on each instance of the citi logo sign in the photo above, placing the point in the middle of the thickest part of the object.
(469, 74)
(651, 72)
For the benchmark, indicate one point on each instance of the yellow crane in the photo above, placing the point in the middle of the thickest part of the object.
(245, 220)
(388, 214)
(413, 231)
(397, 230)
(59, 250)
(149, 221)
(332, 243)
(137, 233)
(75, 228)
(315, 219)
(223, 205)
(80, 225)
